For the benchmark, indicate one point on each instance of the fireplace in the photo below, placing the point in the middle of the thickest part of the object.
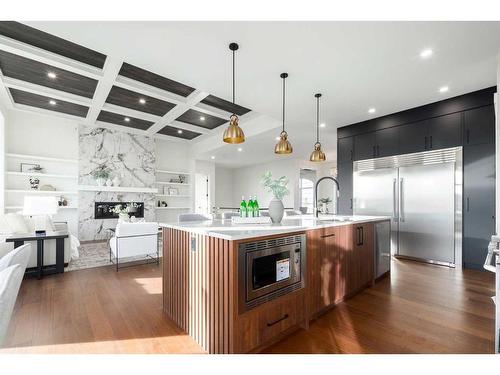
(102, 210)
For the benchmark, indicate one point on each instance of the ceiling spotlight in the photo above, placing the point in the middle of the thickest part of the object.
(179, 131)
(51, 75)
(127, 119)
(371, 110)
(322, 125)
(142, 101)
(212, 157)
(202, 118)
(444, 89)
(426, 53)
(52, 102)
(240, 149)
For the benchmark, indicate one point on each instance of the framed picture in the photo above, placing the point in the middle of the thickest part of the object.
(173, 191)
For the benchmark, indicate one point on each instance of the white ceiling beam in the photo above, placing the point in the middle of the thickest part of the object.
(46, 57)
(149, 90)
(110, 72)
(171, 139)
(192, 99)
(5, 97)
(45, 91)
(43, 111)
(209, 110)
(130, 112)
(193, 128)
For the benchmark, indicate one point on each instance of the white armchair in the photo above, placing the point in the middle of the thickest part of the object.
(134, 240)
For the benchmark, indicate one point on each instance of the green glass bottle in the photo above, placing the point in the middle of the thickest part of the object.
(250, 207)
(243, 207)
(256, 207)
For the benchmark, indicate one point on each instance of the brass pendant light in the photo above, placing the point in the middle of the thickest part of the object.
(233, 134)
(283, 146)
(317, 154)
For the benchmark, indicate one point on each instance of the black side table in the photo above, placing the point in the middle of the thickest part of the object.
(41, 270)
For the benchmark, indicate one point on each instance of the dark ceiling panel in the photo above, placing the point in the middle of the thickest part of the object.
(32, 71)
(115, 118)
(40, 101)
(51, 43)
(130, 99)
(174, 132)
(194, 118)
(153, 79)
(225, 105)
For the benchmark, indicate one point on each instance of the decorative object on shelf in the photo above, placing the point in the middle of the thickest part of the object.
(283, 146)
(172, 191)
(47, 188)
(176, 180)
(62, 201)
(158, 204)
(109, 182)
(317, 154)
(116, 181)
(101, 174)
(182, 178)
(279, 189)
(233, 134)
(164, 204)
(34, 183)
(31, 168)
(324, 202)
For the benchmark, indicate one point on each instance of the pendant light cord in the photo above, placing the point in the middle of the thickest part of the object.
(317, 120)
(233, 78)
(284, 104)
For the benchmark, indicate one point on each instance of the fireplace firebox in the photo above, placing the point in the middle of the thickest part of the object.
(103, 210)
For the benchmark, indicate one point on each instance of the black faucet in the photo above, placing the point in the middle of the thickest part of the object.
(316, 193)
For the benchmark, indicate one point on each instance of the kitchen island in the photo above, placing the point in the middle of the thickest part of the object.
(237, 288)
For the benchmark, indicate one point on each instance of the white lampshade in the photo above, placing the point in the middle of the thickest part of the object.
(36, 205)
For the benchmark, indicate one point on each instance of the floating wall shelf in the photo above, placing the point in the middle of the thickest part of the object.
(12, 173)
(117, 189)
(45, 158)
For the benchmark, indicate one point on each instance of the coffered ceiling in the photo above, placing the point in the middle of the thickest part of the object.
(45, 73)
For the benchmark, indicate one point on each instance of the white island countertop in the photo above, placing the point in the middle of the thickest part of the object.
(227, 230)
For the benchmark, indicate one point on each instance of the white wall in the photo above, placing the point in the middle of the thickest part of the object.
(2, 159)
(207, 168)
(224, 188)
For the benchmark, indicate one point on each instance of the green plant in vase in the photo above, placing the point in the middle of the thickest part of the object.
(101, 174)
(279, 190)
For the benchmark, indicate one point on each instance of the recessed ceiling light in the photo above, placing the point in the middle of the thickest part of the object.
(240, 149)
(202, 118)
(142, 101)
(52, 102)
(212, 157)
(322, 125)
(371, 110)
(127, 119)
(51, 75)
(444, 89)
(179, 131)
(426, 53)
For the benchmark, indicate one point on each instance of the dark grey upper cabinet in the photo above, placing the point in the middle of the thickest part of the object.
(364, 146)
(412, 137)
(344, 177)
(387, 142)
(479, 125)
(445, 131)
(478, 202)
(345, 149)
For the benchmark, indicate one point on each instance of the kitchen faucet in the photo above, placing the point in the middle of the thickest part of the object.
(316, 211)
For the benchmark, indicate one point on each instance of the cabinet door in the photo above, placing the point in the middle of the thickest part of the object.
(362, 259)
(413, 137)
(479, 125)
(344, 177)
(445, 131)
(387, 142)
(364, 146)
(479, 203)
(329, 268)
(345, 150)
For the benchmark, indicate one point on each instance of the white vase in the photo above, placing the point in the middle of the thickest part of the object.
(100, 181)
(276, 210)
(116, 181)
(109, 182)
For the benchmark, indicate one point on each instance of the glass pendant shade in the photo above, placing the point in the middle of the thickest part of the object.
(283, 146)
(317, 154)
(234, 134)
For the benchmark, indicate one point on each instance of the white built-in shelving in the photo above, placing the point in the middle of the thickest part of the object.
(181, 200)
(28, 174)
(34, 191)
(60, 207)
(40, 158)
(117, 189)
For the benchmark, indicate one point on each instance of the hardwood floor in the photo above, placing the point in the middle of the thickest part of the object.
(419, 309)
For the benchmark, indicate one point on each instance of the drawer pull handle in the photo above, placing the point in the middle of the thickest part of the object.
(327, 235)
(277, 321)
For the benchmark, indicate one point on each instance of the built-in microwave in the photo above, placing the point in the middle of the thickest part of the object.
(269, 269)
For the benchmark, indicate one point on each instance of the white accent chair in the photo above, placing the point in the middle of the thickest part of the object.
(192, 217)
(12, 266)
(134, 240)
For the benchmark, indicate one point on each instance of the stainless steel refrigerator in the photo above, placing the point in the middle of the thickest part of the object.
(421, 193)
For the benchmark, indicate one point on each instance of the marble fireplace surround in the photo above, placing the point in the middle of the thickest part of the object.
(130, 157)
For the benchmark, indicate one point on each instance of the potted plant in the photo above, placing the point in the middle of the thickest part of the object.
(324, 204)
(279, 190)
(101, 174)
(122, 212)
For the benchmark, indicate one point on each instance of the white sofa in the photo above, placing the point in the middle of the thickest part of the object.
(134, 240)
(12, 266)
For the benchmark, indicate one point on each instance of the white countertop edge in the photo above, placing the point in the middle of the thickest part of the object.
(225, 229)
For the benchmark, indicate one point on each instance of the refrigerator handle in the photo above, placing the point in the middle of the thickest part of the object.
(401, 197)
(394, 200)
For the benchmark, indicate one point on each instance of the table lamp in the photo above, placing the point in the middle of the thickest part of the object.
(38, 207)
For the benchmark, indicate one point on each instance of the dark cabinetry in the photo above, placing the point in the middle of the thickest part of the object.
(479, 125)
(344, 176)
(345, 149)
(376, 144)
(444, 131)
(412, 137)
(364, 146)
(478, 202)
